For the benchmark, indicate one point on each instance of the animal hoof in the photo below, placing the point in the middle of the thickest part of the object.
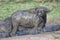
(11, 34)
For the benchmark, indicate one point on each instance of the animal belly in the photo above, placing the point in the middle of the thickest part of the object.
(27, 25)
(26, 22)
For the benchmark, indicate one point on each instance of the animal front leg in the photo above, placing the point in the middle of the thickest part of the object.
(7, 34)
(41, 26)
(34, 30)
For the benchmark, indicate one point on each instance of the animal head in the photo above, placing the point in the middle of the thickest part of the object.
(42, 10)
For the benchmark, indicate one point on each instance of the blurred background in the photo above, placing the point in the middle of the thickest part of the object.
(7, 7)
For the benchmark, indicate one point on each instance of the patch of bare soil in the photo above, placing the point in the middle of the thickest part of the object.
(44, 36)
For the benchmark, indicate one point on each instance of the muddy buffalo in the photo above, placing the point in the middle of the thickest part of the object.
(34, 18)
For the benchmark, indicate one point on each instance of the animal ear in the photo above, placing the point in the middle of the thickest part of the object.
(46, 9)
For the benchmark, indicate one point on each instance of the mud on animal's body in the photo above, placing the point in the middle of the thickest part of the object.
(25, 19)
(28, 18)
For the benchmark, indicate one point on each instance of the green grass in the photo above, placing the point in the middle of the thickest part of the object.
(55, 14)
(7, 9)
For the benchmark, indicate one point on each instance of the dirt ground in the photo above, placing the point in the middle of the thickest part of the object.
(44, 36)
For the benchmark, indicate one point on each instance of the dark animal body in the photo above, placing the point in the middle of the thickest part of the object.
(25, 19)
(35, 18)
